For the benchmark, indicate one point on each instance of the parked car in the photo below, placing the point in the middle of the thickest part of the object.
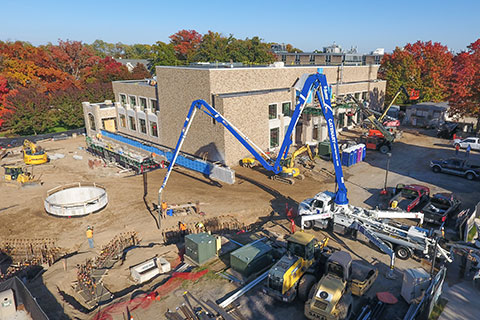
(409, 197)
(440, 207)
(457, 167)
(472, 141)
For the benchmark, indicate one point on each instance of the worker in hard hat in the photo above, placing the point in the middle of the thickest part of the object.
(164, 207)
(89, 234)
(200, 227)
(394, 204)
(183, 228)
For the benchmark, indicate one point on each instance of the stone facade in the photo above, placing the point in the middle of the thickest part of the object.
(99, 116)
(257, 100)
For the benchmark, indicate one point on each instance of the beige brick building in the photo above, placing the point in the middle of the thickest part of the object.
(257, 100)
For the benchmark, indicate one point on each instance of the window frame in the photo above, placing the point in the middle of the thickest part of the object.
(290, 111)
(123, 99)
(152, 123)
(143, 108)
(130, 100)
(132, 123)
(144, 121)
(153, 105)
(277, 143)
(123, 120)
(270, 117)
(91, 121)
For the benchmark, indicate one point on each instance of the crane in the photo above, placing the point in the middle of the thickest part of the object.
(414, 95)
(313, 83)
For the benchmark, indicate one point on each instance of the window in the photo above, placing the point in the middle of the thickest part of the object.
(312, 59)
(297, 59)
(357, 95)
(286, 109)
(153, 127)
(272, 111)
(364, 95)
(143, 126)
(153, 105)
(91, 120)
(143, 103)
(341, 120)
(133, 127)
(328, 58)
(274, 134)
(123, 99)
(123, 121)
(133, 101)
(284, 57)
(349, 119)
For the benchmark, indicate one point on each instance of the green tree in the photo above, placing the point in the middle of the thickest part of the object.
(163, 55)
(214, 47)
(138, 51)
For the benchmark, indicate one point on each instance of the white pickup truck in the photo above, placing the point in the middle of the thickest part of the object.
(472, 141)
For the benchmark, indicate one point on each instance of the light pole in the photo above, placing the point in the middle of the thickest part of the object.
(384, 190)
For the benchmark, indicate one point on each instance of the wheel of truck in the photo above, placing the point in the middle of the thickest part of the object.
(470, 176)
(344, 306)
(311, 293)
(402, 252)
(308, 224)
(306, 283)
(436, 169)
(384, 149)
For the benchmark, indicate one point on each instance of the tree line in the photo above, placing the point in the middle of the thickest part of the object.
(42, 87)
(437, 73)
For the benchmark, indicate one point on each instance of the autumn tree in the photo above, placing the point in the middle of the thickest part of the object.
(72, 57)
(292, 49)
(465, 85)
(214, 47)
(105, 70)
(185, 44)
(425, 66)
(29, 112)
(140, 72)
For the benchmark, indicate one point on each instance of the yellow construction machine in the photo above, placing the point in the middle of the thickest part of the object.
(298, 270)
(289, 171)
(22, 175)
(32, 154)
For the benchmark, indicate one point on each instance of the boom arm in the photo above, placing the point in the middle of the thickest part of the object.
(400, 90)
(371, 117)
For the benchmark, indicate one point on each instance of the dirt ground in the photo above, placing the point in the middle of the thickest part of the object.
(252, 197)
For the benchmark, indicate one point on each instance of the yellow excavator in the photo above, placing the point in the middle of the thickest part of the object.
(22, 175)
(32, 154)
(289, 171)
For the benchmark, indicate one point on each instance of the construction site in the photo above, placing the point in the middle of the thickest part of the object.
(150, 217)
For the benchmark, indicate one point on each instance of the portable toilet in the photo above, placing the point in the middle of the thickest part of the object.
(359, 152)
(353, 156)
(415, 282)
(346, 157)
(364, 150)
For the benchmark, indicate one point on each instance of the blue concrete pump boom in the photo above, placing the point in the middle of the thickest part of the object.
(312, 84)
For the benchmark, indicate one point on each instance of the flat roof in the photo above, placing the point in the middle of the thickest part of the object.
(267, 67)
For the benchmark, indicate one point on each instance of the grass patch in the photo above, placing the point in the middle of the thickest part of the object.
(471, 233)
(438, 309)
(57, 129)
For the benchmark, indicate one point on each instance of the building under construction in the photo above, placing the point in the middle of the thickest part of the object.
(259, 101)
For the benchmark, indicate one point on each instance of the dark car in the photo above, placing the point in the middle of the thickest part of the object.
(457, 167)
(447, 130)
(409, 197)
(440, 207)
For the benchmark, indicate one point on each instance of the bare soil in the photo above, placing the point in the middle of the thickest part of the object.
(254, 196)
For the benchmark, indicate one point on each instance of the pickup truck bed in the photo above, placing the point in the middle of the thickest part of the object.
(363, 276)
(439, 206)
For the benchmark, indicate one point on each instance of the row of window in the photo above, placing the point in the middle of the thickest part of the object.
(142, 125)
(142, 102)
(286, 110)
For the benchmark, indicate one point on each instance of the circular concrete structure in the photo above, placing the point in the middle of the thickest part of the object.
(75, 200)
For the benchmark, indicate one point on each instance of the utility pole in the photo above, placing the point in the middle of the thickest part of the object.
(384, 190)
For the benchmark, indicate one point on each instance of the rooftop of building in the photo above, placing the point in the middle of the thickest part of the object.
(275, 65)
(133, 62)
(436, 106)
(142, 82)
(104, 105)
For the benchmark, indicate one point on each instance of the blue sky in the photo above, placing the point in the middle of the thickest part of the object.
(307, 25)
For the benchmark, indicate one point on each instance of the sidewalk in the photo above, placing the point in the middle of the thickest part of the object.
(463, 302)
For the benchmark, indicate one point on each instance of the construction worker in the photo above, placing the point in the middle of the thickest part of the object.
(164, 209)
(183, 228)
(200, 227)
(90, 236)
